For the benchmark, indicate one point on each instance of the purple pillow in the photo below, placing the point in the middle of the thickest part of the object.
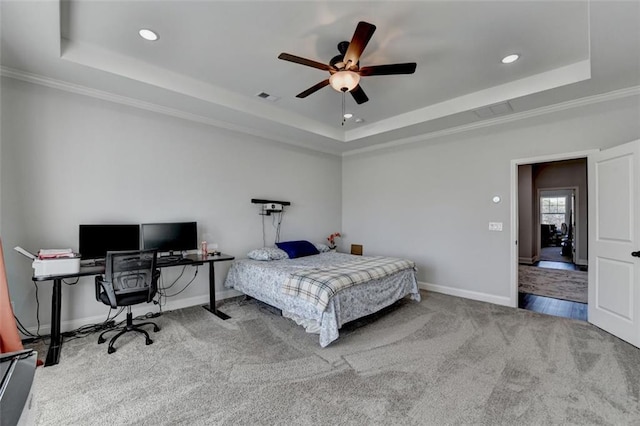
(296, 249)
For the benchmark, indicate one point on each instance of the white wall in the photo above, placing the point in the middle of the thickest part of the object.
(69, 159)
(431, 201)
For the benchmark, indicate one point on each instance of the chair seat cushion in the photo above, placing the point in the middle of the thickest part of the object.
(126, 299)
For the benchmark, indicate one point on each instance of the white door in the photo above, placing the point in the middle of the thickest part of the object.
(614, 241)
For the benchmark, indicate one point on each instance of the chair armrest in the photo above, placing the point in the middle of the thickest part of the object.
(153, 286)
(98, 287)
(101, 283)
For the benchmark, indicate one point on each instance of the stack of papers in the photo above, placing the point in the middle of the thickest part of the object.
(55, 254)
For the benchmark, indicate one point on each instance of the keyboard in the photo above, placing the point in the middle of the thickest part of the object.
(174, 260)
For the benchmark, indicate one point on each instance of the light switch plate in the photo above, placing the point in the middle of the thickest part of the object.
(495, 226)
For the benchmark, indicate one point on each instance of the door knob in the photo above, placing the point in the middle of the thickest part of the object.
(635, 253)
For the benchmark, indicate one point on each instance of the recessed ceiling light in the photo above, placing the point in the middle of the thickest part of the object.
(510, 58)
(148, 34)
(348, 115)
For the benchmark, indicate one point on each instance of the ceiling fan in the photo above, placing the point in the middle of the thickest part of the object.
(345, 68)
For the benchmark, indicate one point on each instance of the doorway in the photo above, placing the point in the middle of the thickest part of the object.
(557, 210)
(550, 260)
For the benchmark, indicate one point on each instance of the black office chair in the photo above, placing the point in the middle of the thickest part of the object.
(130, 278)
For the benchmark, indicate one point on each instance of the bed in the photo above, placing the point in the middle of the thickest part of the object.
(372, 283)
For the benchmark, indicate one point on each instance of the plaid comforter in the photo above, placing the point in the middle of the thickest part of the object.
(319, 285)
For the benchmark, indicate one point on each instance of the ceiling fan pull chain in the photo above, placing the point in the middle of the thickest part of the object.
(343, 109)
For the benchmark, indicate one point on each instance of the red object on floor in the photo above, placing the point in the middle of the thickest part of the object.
(9, 336)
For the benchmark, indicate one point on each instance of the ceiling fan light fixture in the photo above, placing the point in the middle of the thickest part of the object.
(344, 81)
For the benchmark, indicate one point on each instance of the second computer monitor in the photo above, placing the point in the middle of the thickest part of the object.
(96, 240)
(170, 237)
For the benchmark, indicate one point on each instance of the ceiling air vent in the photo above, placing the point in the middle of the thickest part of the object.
(267, 96)
(493, 110)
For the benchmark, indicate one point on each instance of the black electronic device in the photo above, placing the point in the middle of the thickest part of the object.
(17, 370)
(170, 237)
(96, 240)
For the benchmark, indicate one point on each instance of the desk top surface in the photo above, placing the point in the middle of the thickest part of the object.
(192, 259)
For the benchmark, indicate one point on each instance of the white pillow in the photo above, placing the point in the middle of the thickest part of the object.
(267, 253)
(322, 248)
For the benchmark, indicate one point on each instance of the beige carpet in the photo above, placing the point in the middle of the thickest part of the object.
(556, 283)
(443, 361)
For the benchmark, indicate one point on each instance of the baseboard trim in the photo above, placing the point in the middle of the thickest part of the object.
(467, 294)
(527, 260)
(137, 310)
(227, 294)
(582, 262)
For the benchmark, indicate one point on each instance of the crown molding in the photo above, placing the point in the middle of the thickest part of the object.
(573, 73)
(95, 57)
(563, 106)
(147, 106)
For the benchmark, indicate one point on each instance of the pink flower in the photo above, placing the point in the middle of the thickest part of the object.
(332, 239)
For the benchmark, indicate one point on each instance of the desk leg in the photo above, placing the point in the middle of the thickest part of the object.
(212, 295)
(53, 355)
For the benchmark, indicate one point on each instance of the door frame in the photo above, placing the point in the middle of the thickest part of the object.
(574, 214)
(514, 229)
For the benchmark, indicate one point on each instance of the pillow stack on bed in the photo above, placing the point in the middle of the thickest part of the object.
(287, 250)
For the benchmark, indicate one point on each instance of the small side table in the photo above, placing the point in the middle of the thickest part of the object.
(211, 260)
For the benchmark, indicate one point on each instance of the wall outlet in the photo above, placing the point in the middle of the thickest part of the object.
(495, 226)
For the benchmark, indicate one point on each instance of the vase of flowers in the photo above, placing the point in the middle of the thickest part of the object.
(332, 240)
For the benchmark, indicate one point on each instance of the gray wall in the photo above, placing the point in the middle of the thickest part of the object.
(69, 159)
(431, 201)
(527, 243)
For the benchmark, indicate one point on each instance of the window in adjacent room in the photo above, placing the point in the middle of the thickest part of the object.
(553, 211)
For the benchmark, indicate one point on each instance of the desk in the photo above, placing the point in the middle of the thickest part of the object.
(53, 354)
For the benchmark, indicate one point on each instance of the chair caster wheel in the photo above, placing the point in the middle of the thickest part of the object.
(101, 340)
(111, 350)
(149, 341)
(156, 329)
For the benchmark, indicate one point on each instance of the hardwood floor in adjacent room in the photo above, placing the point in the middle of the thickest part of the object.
(549, 305)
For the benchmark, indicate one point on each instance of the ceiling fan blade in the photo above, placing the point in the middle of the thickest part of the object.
(304, 61)
(313, 89)
(406, 68)
(358, 95)
(362, 35)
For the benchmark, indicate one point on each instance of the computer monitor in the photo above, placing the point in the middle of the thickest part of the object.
(170, 237)
(96, 240)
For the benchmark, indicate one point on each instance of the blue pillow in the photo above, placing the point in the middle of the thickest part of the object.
(298, 248)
